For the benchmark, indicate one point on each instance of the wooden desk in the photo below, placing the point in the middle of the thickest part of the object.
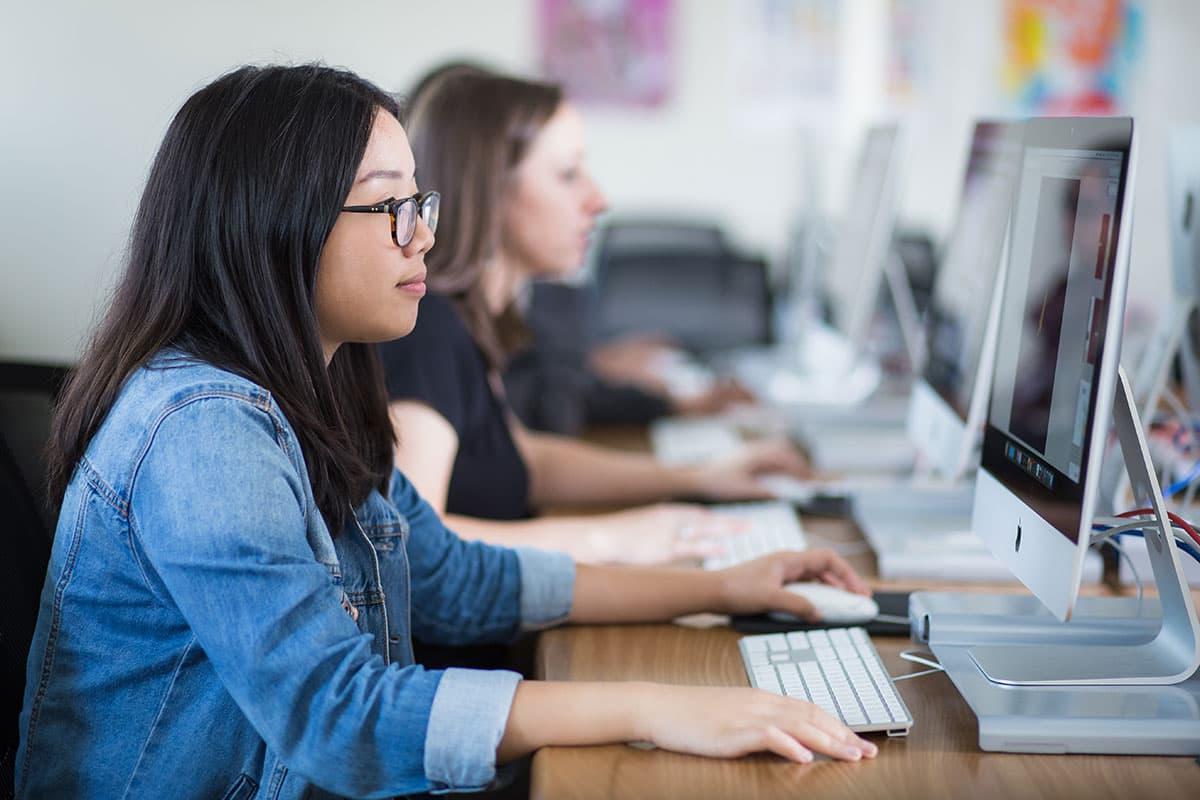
(939, 758)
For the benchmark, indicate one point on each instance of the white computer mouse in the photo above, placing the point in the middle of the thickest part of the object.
(836, 606)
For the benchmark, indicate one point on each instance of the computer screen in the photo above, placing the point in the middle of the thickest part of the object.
(1183, 208)
(853, 277)
(1058, 346)
(957, 316)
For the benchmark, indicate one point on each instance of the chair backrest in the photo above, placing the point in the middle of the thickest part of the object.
(27, 394)
(681, 280)
(27, 551)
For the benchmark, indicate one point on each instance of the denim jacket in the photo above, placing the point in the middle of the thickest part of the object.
(201, 634)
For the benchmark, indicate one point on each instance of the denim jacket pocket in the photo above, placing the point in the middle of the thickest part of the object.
(387, 536)
(242, 788)
(335, 572)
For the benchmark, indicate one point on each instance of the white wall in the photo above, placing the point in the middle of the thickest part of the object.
(87, 89)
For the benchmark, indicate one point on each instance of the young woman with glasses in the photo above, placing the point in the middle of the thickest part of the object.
(521, 205)
(237, 568)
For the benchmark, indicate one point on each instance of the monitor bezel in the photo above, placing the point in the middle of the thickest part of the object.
(1008, 500)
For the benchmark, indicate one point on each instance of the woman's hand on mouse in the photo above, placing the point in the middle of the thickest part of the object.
(757, 586)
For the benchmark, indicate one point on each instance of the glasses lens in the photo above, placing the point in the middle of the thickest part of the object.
(430, 206)
(406, 221)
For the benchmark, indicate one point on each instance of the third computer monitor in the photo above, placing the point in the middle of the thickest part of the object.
(1057, 352)
(854, 276)
(947, 402)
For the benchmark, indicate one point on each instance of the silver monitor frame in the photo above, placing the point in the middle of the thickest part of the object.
(1048, 562)
(1170, 335)
(945, 439)
(869, 258)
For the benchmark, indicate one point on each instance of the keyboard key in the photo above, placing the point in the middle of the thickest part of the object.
(798, 640)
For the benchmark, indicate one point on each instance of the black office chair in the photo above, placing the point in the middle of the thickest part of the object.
(682, 280)
(27, 396)
(27, 549)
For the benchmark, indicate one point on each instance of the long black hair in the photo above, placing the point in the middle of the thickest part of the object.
(223, 256)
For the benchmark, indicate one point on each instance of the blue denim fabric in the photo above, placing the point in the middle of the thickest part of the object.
(195, 639)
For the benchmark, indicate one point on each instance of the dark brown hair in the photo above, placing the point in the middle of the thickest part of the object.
(469, 129)
(242, 195)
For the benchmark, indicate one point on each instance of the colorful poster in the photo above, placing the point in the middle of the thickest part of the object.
(1070, 56)
(786, 59)
(911, 45)
(608, 52)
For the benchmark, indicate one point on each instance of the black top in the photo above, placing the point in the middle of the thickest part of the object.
(440, 365)
(550, 385)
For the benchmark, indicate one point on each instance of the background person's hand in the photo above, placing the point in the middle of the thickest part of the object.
(724, 394)
(738, 476)
(661, 534)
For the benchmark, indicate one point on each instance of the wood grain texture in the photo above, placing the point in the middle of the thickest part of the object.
(939, 758)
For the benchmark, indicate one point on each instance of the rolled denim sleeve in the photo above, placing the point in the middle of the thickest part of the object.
(547, 587)
(466, 723)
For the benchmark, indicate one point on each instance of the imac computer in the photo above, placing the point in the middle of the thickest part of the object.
(948, 400)
(823, 369)
(924, 531)
(1170, 339)
(1073, 678)
(825, 366)
(944, 404)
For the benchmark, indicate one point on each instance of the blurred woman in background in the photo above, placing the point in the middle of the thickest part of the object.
(509, 156)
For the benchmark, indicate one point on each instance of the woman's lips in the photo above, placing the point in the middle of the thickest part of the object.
(415, 285)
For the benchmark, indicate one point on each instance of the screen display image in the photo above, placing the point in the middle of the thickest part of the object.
(1052, 324)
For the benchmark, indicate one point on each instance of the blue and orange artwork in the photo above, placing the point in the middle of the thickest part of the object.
(1070, 56)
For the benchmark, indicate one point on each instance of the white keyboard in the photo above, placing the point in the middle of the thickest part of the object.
(683, 375)
(774, 526)
(679, 441)
(838, 670)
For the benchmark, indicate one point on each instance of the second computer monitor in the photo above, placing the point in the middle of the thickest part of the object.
(854, 276)
(1057, 352)
(948, 401)
(1183, 211)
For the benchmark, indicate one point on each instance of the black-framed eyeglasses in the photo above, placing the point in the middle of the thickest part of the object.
(404, 213)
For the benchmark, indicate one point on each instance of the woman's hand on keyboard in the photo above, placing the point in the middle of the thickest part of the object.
(661, 534)
(739, 476)
(757, 586)
(732, 722)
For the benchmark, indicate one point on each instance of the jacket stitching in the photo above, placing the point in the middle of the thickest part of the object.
(158, 714)
(278, 775)
(130, 534)
(102, 487)
(60, 589)
(251, 400)
(209, 394)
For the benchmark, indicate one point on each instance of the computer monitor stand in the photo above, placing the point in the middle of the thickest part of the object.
(907, 317)
(1169, 340)
(1114, 679)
